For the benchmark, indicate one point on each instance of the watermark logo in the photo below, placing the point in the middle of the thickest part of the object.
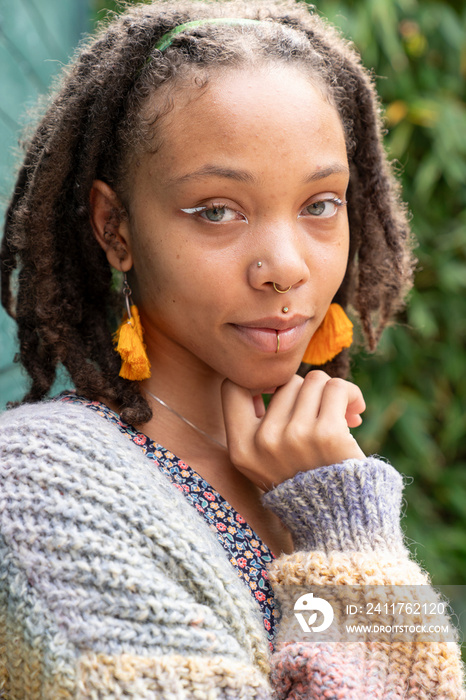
(307, 603)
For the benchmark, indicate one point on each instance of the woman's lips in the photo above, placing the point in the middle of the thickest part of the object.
(264, 337)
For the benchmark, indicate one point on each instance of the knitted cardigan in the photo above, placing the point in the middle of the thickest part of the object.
(113, 586)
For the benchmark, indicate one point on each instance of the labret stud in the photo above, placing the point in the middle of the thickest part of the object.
(259, 264)
(285, 309)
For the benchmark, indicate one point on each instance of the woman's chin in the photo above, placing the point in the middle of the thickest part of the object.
(266, 390)
(263, 380)
(271, 382)
(269, 386)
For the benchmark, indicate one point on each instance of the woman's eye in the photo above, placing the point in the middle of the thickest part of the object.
(324, 208)
(216, 213)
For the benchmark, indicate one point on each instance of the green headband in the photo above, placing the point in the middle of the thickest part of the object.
(167, 38)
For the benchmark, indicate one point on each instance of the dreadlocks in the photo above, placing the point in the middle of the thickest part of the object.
(66, 305)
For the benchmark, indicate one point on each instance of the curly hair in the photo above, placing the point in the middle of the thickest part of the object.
(66, 304)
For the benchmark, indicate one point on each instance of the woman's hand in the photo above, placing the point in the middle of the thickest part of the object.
(305, 426)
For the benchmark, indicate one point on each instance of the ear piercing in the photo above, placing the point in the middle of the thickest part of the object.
(127, 294)
(280, 291)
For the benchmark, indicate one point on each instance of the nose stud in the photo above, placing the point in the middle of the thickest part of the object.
(280, 291)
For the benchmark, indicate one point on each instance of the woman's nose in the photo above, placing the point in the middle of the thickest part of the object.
(279, 261)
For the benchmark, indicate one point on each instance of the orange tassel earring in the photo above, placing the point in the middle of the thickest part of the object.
(334, 333)
(129, 342)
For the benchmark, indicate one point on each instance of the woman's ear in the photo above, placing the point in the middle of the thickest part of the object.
(110, 225)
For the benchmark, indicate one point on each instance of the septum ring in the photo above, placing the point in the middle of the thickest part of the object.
(280, 291)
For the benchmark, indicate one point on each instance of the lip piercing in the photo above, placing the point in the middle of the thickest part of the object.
(280, 291)
(278, 344)
(259, 264)
(285, 310)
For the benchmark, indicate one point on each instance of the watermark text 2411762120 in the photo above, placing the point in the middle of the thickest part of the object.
(384, 613)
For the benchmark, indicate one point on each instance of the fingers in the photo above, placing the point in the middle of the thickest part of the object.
(324, 411)
(353, 420)
(342, 398)
(259, 406)
(340, 405)
(356, 406)
(336, 396)
(237, 400)
(239, 412)
(283, 401)
(307, 405)
(306, 426)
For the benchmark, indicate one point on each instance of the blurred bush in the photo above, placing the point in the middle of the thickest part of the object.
(415, 387)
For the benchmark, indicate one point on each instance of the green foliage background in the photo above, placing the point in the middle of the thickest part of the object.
(415, 386)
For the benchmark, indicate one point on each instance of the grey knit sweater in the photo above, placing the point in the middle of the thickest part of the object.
(113, 586)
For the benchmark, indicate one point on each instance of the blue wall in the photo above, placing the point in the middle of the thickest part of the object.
(36, 37)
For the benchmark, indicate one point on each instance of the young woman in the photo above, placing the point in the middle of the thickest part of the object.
(215, 170)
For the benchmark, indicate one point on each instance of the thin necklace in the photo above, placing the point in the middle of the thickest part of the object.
(185, 420)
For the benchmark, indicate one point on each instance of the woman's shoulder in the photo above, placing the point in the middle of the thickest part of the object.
(59, 452)
(61, 442)
(55, 426)
(49, 415)
(62, 458)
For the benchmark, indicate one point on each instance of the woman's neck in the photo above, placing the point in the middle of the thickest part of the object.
(186, 392)
(194, 393)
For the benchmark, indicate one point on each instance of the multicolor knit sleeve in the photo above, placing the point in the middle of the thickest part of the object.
(345, 522)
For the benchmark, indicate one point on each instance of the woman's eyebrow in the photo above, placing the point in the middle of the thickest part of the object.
(211, 170)
(321, 174)
(214, 171)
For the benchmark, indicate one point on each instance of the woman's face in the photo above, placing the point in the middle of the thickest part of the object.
(251, 170)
